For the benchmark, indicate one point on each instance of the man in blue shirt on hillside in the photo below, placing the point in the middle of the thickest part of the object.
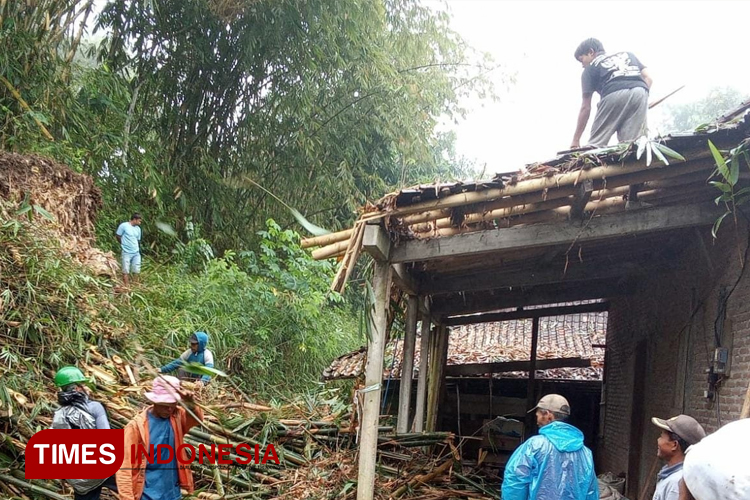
(129, 236)
(554, 465)
(198, 353)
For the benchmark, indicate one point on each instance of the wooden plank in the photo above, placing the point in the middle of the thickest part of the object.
(581, 198)
(637, 418)
(373, 378)
(473, 369)
(404, 280)
(494, 300)
(527, 314)
(407, 364)
(477, 404)
(549, 234)
(424, 346)
(376, 242)
(530, 392)
(437, 284)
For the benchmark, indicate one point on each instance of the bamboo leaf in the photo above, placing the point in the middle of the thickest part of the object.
(166, 228)
(648, 154)
(722, 186)
(715, 228)
(658, 153)
(669, 151)
(641, 147)
(199, 369)
(311, 228)
(734, 170)
(41, 211)
(721, 164)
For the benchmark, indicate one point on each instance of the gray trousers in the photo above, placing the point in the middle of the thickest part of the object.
(622, 111)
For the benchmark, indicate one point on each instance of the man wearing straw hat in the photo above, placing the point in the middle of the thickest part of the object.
(165, 422)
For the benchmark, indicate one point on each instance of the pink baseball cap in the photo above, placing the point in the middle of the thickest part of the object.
(164, 390)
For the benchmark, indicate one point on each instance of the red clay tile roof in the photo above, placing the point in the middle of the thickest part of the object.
(559, 337)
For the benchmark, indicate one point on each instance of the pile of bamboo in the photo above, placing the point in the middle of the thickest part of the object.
(307, 440)
(530, 200)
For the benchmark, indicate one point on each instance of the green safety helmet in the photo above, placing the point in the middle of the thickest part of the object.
(70, 375)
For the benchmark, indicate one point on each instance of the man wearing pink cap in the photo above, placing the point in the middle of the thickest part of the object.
(164, 422)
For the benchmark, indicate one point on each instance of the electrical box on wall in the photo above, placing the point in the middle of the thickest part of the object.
(721, 360)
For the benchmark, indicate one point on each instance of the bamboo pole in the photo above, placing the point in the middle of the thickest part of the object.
(32, 487)
(326, 239)
(424, 347)
(612, 177)
(26, 107)
(407, 364)
(529, 186)
(330, 250)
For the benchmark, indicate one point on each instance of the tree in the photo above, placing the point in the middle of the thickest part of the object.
(326, 104)
(686, 117)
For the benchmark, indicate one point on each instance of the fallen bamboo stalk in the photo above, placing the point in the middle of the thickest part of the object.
(32, 487)
(327, 239)
(423, 479)
(476, 485)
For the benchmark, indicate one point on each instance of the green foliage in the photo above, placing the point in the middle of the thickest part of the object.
(273, 324)
(689, 116)
(269, 314)
(325, 104)
(728, 170)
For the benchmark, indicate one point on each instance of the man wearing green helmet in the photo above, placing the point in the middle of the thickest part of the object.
(77, 411)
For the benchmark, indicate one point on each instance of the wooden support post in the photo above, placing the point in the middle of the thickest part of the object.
(407, 364)
(438, 357)
(581, 199)
(530, 392)
(424, 349)
(373, 379)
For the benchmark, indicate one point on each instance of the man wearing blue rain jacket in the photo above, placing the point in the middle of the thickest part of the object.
(196, 354)
(554, 465)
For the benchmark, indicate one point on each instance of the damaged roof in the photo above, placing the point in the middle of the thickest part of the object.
(735, 122)
(579, 335)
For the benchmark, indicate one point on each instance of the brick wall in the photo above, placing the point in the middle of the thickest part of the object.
(674, 313)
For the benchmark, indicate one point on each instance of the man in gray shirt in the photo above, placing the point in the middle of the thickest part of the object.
(677, 434)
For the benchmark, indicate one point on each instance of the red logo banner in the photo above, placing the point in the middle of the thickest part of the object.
(74, 453)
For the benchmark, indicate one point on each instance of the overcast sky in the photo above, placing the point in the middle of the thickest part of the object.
(700, 44)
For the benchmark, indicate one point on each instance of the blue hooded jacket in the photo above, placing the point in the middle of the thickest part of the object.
(203, 356)
(552, 466)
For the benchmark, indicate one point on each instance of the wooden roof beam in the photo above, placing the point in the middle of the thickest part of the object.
(494, 300)
(541, 235)
(438, 285)
(514, 366)
(541, 312)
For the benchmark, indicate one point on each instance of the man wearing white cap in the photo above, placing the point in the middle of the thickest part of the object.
(677, 434)
(166, 423)
(555, 465)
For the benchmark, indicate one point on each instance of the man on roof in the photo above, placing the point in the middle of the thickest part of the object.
(196, 354)
(623, 84)
(553, 465)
